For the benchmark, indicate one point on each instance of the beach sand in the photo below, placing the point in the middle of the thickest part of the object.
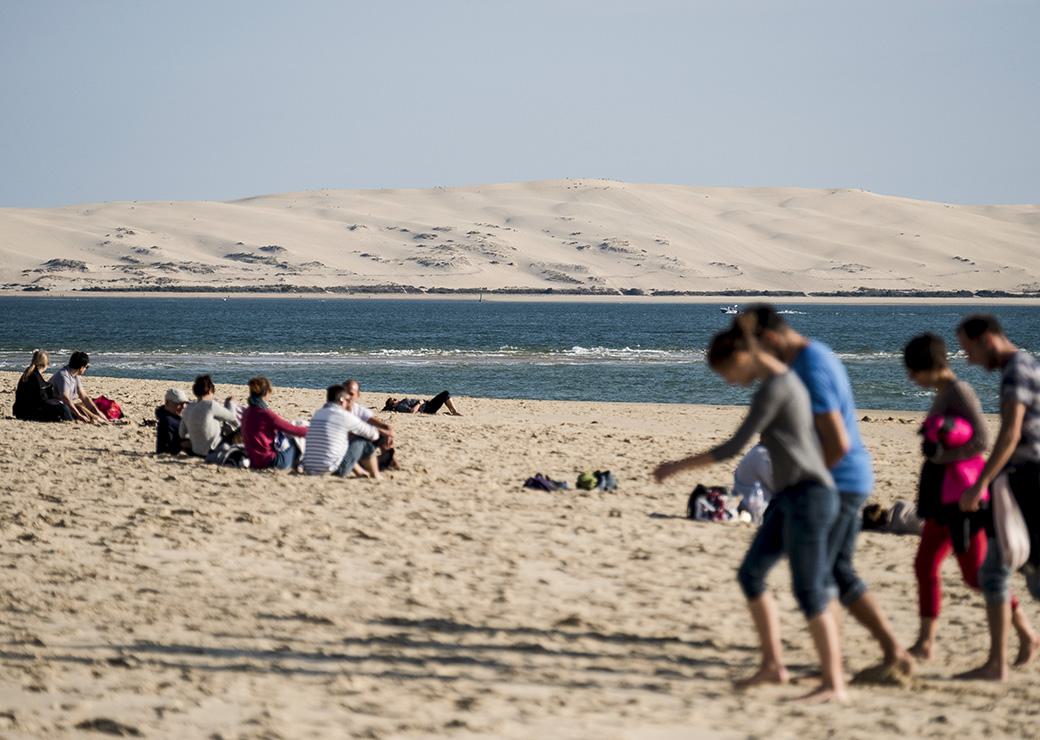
(182, 600)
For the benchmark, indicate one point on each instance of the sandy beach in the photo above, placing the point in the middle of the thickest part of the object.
(173, 599)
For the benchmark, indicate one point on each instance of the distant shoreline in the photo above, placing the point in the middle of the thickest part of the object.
(880, 297)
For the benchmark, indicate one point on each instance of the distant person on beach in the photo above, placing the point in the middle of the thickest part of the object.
(1016, 452)
(803, 510)
(338, 441)
(416, 406)
(168, 423)
(948, 470)
(206, 423)
(70, 391)
(34, 398)
(834, 419)
(260, 427)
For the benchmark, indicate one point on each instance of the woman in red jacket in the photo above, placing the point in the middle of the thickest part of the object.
(260, 426)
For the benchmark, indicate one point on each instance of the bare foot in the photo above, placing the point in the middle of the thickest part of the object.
(904, 662)
(823, 695)
(985, 672)
(1028, 648)
(922, 651)
(767, 674)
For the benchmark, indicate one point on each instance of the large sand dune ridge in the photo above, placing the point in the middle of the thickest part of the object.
(594, 235)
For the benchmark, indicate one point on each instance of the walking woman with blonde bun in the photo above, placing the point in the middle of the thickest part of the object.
(800, 516)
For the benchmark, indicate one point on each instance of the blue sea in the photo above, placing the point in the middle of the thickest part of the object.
(573, 351)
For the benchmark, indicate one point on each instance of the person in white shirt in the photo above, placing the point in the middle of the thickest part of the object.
(338, 441)
(206, 423)
(386, 432)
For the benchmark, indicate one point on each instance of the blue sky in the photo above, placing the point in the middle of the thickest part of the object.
(123, 100)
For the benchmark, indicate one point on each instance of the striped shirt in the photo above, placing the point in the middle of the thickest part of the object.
(329, 435)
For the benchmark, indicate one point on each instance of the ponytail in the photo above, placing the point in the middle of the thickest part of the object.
(739, 337)
(40, 359)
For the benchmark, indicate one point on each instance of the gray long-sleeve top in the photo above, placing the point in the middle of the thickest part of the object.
(959, 399)
(780, 411)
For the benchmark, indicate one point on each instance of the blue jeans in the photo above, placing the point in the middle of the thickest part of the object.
(797, 523)
(994, 575)
(1024, 480)
(842, 547)
(287, 458)
(358, 448)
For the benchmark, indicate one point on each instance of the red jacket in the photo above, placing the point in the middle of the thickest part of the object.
(258, 428)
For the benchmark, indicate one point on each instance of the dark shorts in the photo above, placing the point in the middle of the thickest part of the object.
(842, 546)
(797, 523)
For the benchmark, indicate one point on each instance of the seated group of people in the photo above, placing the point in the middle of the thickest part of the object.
(343, 436)
(59, 398)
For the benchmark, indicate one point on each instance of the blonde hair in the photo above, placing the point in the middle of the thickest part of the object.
(40, 359)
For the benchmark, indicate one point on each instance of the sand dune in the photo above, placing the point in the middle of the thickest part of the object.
(565, 234)
(175, 599)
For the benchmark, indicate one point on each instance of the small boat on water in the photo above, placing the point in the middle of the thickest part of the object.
(730, 310)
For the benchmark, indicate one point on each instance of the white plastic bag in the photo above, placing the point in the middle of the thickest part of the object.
(1009, 525)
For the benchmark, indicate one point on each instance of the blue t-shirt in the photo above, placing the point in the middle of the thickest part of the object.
(829, 390)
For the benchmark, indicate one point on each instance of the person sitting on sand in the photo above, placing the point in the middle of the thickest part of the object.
(259, 429)
(416, 406)
(1017, 453)
(803, 510)
(70, 391)
(206, 423)
(365, 414)
(946, 528)
(338, 441)
(34, 398)
(168, 417)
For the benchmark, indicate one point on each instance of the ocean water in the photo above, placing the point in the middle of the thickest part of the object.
(573, 351)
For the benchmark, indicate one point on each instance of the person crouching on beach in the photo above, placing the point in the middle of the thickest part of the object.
(1016, 452)
(801, 514)
(338, 441)
(259, 427)
(949, 468)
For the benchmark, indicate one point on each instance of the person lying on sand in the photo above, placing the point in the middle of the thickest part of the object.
(415, 406)
(338, 441)
(803, 509)
(70, 391)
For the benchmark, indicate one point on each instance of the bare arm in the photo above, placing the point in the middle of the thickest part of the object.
(90, 406)
(764, 407)
(1011, 415)
(834, 437)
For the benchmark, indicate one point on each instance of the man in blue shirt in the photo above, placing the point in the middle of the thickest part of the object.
(834, 414)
